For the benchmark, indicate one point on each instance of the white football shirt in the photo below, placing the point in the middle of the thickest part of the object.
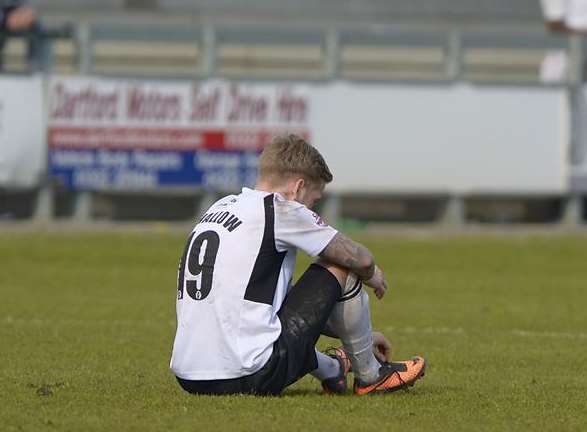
(233, 277)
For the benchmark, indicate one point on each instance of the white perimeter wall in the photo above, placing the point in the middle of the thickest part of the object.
(375, 137)
(22, 132)
(443, 138)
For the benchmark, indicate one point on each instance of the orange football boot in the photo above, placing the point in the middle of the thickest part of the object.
(393, 376)
(337, 384)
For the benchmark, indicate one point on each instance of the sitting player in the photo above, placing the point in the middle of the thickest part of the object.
(242, 327)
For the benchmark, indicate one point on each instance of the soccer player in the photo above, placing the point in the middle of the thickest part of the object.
(241, 325)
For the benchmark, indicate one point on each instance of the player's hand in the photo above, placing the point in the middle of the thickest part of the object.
(381, 347)
(378, 283)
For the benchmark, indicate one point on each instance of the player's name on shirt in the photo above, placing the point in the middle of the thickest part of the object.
(224, 218)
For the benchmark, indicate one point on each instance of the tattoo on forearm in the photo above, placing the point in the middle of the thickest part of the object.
(350, 254)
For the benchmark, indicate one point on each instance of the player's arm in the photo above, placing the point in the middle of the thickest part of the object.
(347, 253)
(297, 226)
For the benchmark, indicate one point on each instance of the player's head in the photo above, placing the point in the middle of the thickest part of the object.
(295, 168)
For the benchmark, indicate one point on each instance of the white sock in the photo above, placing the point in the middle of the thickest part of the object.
(327, 367)
(351, 321)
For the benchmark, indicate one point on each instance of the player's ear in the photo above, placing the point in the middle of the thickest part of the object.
(298, 185)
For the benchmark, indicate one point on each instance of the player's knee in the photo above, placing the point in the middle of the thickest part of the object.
(340, 273)
(343, 275)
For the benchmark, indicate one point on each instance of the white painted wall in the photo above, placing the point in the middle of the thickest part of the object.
(22, 132)
(375, 137)
(442, 138)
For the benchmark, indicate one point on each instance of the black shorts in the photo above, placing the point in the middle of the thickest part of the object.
(303, 316)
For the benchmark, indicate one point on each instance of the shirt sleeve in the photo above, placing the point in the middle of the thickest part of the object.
(554, 10)
(298, 227)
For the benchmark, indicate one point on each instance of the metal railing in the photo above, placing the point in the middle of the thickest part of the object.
(414, 53)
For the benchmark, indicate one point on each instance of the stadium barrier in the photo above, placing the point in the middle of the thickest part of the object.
(22, 132)
(437, 160)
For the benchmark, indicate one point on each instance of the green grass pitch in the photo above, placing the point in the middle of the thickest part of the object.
(87, 322)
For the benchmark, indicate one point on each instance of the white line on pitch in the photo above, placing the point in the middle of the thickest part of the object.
(513, 332)
(458, 331)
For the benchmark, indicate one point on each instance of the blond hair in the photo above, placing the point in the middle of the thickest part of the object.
(289, 155)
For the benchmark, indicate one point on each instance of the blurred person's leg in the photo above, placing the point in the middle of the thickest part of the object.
(39, 49)
(578, 108)
(3, 28)
(2, 40)
(578, 111)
